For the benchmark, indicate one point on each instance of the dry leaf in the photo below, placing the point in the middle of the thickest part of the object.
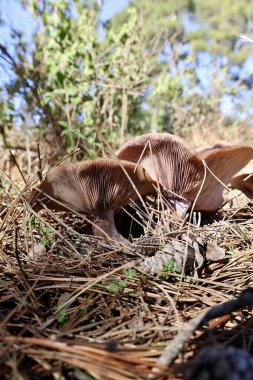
(214, 252)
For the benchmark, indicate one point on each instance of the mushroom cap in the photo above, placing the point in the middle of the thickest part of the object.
(223, 163)
(204, 152)
(181, 171)
(167, 159)
(92, 187)
(244, 183)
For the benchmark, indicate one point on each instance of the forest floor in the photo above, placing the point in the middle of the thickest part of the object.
(72, 307)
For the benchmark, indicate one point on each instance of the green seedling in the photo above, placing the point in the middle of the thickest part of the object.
(115, 286)
(130, 273)
(47, 234)
(171, 268)
(34, 222)
(62, 316)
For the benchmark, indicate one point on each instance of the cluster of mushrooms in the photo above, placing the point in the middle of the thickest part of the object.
(145, 164)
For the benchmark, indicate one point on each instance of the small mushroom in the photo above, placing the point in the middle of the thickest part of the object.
(182, 173)
(96, 187)
(244, 183)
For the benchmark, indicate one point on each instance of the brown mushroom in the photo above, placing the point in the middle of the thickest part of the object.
(96, 187)
(203, 152)
(182, 173)
(244, 183)
(221, 166)
(168, 160)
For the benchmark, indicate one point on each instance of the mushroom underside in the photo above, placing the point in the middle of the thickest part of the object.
(95, 188)
(181, 171)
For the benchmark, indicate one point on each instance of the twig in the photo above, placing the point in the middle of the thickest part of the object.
(174, 348)
(18, 147)
(25, 279)
(23, 274)
(244, 37)
(17, 165)
(39, 172)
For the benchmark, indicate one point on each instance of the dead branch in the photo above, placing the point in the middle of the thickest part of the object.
(176, 345)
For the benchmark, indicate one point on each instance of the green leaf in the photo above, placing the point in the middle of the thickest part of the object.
(113, 288)
(130, 273)
(63, 123)
(60, 77)
(61, 316)
(47, 97)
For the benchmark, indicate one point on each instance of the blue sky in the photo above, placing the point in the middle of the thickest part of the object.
(111, 7)
(13, 15)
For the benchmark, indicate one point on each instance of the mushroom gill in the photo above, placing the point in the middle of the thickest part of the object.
(243, 180)
(96, 187)
(168, 160)
(182, 173)
(221, 166)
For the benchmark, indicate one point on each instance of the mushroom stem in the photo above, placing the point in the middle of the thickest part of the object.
(180, 206)
(104, 226)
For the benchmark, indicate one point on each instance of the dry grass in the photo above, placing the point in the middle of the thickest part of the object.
(74, 308)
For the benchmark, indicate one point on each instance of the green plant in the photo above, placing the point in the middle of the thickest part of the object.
(171, 268)
(130, 274)
(34, 222)
(83, 374)
(62, 316)
(115, 286)
(47, 234)
(84, 91)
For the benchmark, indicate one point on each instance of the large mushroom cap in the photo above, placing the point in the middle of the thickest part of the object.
(180, 170)
(92, 186)
(167, 159)
(96, 187)
(222, 164)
